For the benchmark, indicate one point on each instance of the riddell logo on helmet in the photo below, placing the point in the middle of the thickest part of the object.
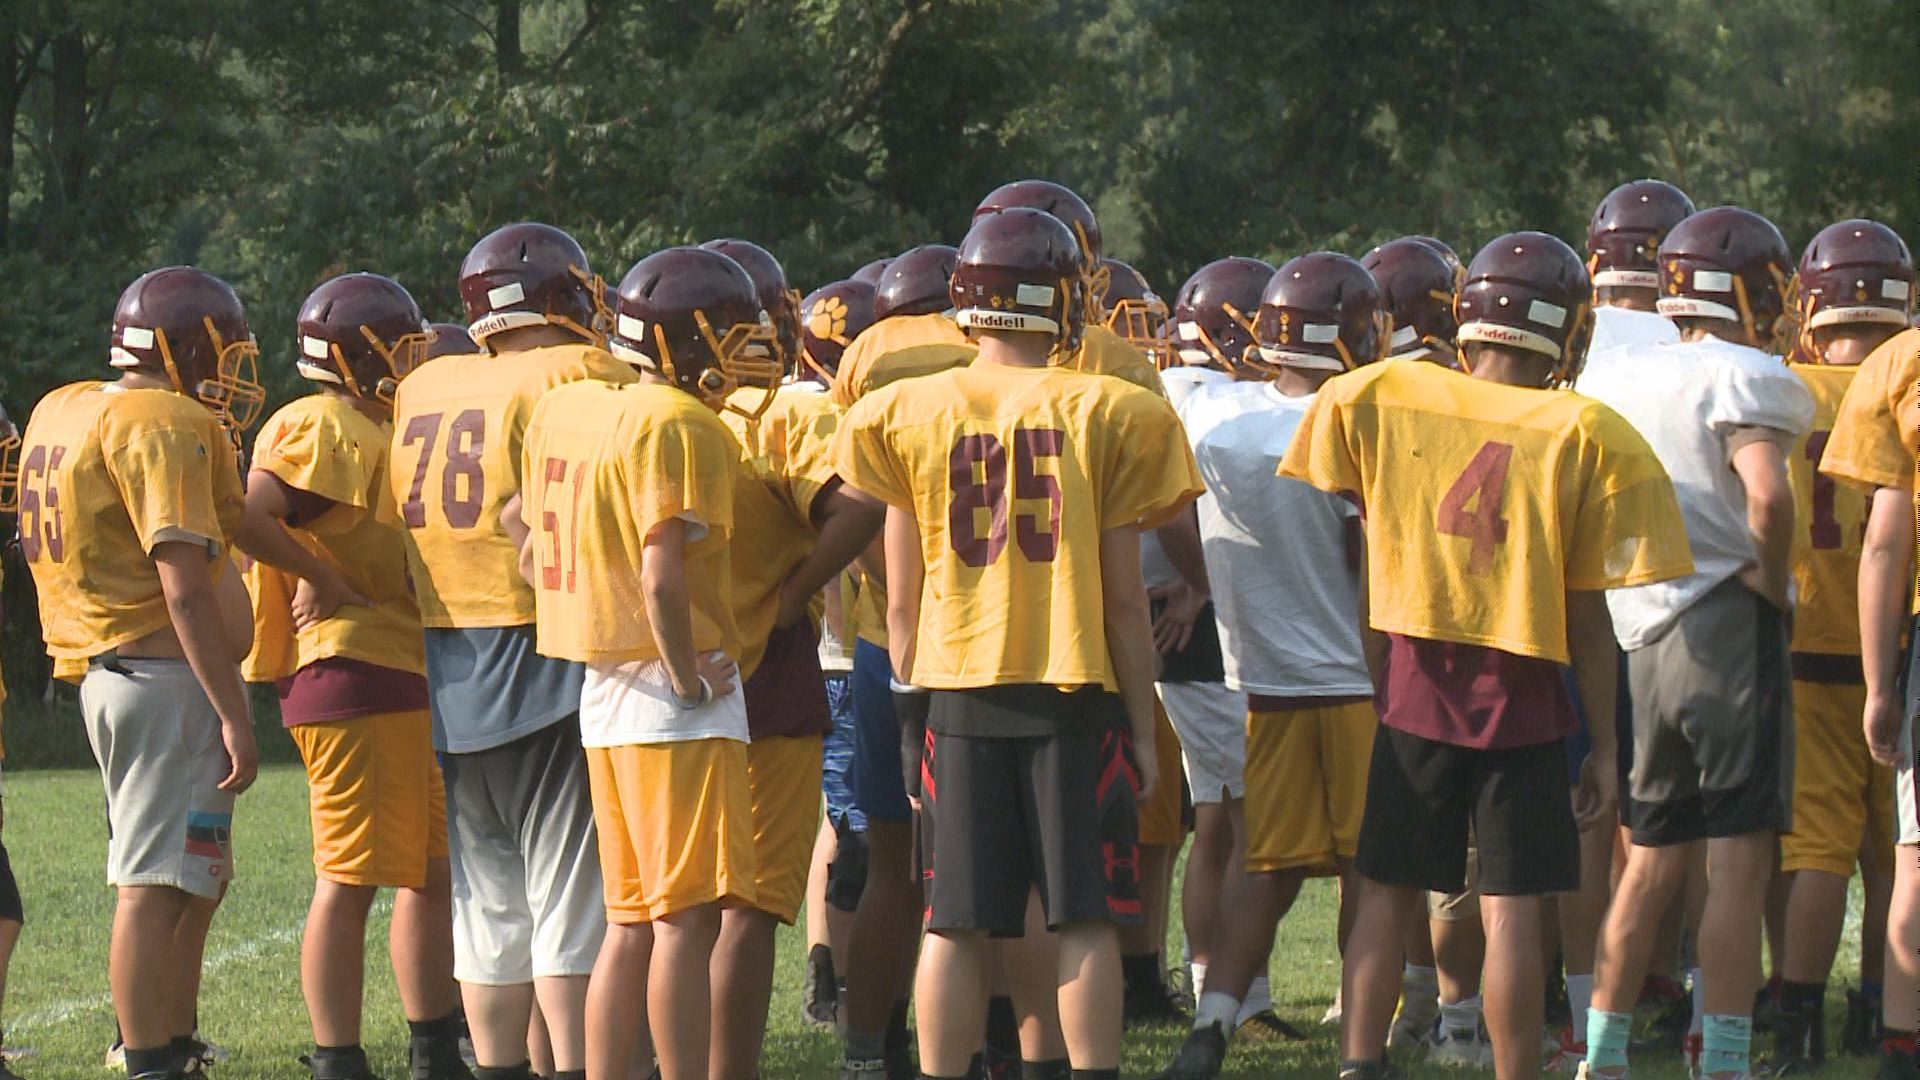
(993, 320)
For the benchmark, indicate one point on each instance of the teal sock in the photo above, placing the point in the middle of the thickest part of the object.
(1607, 1034)
(1725, 1042)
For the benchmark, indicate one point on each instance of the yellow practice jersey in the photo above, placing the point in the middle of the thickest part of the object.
(604, 465)
(322, 445)
(1013, 474)
(1485, 503)
(854, 379)
(773, 524)
(1875, 439)
(765, 438)
(457, 427)
(106, 474)
(1103, 352)
(1830, 523)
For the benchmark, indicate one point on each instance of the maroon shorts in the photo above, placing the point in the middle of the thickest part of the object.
(787, 695)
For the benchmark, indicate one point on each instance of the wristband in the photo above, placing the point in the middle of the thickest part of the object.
(704, 698)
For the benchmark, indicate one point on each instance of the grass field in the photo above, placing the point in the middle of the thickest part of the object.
(57, 1004)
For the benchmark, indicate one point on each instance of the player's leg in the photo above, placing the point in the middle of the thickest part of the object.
(783, 778)
(1143, 944)
(1459, 957)
(617, 992)
(827, 921)
(1030, 965)
(1900, 1002)
(341, 770)
(12, 920)
(553, 809)
(819, 994)
(333, 949)
(1860, 1033)
(1831, 779)
(492, 925)
(420, 937)
(884, 938)
(1211, 724)
(1581, 913)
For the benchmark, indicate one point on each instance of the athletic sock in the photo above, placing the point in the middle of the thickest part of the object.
(1003, 1027)
(522, 1071)
(1725, 1045)
(1899, 1042)
(1142, 969)
(1259, 999)
(1198, 971)
(1420, 989)
(1579, 1000)
(570, 1074)
(1217, 1007)
(1461, 1017)
(866, 1046)
(1097, 1074)
(1607, 1035)
(1795, 996)
(1056, 1069)
(1872, 989)
(156, 1061)
(445, 1027)
(1697, 980)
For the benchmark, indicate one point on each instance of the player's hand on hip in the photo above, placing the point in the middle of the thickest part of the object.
(1173, 628)
(1881, 725)
(315, 602)
(721, 671)
(243, 757)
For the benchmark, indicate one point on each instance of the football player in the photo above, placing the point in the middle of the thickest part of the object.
(12, 912)
(1707, 655)
(1285, 562)
(1417, 284)
(1497, 508)
(1038, 716)
(1623, 236)
(869, 273)
(909, 309)
(1130, 308)
(1855, 287)
(794, 532)
(629, 509)
(129, 494)
(527, 913)
(1875, 443)
(831, 317)
(1213, 316)
(339, 631)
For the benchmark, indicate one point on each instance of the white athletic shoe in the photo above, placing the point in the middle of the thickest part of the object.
(1412, 1025)
(1332, 1016)
(1469, 1050)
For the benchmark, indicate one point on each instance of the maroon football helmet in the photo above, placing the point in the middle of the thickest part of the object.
(1056, 199)
(9, 464)
(1134, 311)
(1528, 290)
(1729, 264)
(1445, 251)
(1418, 287)
(870, 273)
(1855, 271)
(1624, 235)
(186, 326)
(915, 282)
(1020, 269)
(449, 339)
(694, 316)
(1213, 312)
(1322, 312)
(529, 274)
(830, 318)
(363, 333)
(780, 300)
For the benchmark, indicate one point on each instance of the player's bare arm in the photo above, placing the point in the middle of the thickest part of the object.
(1124, 610)
(696, 677)
(1180, 539)
(1886, 574)
(514, 524)
(1596, 660)
(1762, 465)
(848, 521)
(188, 585)
(263, 535)
(906, 570)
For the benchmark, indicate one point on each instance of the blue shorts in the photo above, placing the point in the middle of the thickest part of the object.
(836, 780)
(879, 789)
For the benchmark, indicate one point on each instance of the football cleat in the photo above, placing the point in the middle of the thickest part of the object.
(1413, 1023)
(819, 994)
(1859, 1034)
(1200, 1057)
(1266, 1026)
(1567, 1056)
(1460, 1049)
(1152, 1004)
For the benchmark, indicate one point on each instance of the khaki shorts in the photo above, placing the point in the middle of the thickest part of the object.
(157, 740)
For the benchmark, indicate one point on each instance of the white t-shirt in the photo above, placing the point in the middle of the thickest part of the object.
(1616, 326)
(1284, 592)
(632, 704)
(1687, 400)
(1181, 380)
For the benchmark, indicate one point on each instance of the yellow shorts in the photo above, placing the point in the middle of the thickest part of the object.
(374, 793)
(1307, 785)
(1160, 821)
(1842, 798)
(676, 826)
(784, 777)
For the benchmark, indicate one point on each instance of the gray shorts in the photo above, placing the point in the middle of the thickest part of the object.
(526, 863)
(157, 741)
(488, 686)
(1713, 723)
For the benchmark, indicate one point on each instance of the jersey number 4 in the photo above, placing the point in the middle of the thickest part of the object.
(977, 471)
(1471, 508)
(463, 482)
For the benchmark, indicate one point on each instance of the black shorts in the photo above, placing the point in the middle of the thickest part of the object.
(1713, 723)
(11, 909)
(1004, 815)
(1423, 796)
